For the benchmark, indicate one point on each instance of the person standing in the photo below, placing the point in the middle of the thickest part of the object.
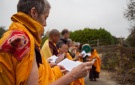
(21, 62)
(94, 72)
(49, 47)
(64, 37)
(63, 50)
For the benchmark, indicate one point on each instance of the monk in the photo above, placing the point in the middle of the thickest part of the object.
(49, 47)
(21, 62)
(78, 51)
(64, 37)
(63, 50)
(94, 72)
(71, 48)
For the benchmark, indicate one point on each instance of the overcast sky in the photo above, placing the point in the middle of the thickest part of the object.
(78, 14)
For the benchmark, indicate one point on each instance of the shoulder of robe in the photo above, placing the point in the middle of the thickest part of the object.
(15, 42)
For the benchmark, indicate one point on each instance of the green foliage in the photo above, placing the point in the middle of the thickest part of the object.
(43, 40)
(2, 31)
(130, 16)
(114, 40)
(131, 38)
(92, 35)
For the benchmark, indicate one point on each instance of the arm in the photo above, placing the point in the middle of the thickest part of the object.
(78, 72)
(15, 46)
(65, 80)
(76, 57)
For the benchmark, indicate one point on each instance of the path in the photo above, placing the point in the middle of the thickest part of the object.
(103, 80)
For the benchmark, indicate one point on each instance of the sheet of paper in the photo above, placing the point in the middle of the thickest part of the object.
(85, 54)
(53, 58)
(78, 62)
(88, 54)
(69, 64)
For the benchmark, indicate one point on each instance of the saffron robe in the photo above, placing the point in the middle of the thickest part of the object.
(79, 81)
(97, 63)
(17, 49)
(46, 51)
(47, 47)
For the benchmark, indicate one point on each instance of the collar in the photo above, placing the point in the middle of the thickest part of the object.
(35, 28)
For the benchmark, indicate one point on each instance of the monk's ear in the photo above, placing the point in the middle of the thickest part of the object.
(33, 13)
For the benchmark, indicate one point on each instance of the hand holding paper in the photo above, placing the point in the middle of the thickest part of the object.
(69, 64)
(66, 63)
(52, 58)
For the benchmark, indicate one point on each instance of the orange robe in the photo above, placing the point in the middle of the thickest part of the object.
(46, 50)
(79, 81)
(79, 59)
(15, 68)
(97, 63)
(49, 49)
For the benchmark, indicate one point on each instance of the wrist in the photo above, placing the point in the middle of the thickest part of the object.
(71, 76)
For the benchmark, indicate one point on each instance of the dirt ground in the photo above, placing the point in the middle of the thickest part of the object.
(104, 79)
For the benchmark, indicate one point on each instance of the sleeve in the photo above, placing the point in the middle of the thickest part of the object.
(14, 58)
(97, 64)
(57, 72)
(15, 42)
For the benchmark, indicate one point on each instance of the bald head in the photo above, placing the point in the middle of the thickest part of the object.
(54, 35)
(54, 32)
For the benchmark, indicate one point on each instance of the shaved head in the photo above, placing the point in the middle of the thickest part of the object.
(54, 32)
(54, 35)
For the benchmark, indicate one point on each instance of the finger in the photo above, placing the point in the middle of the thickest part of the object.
(63, 71)
(62, 67)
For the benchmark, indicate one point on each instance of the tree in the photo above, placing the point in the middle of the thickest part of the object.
(130, 11)
(92, 36)
(130, 15)
(2, 30)
(131, 38)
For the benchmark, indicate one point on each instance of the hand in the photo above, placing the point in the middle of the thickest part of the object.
(76, 57)
(81, 70)
(49, 60)
(88, 59)
(60, 58)
(80, 55)
(52, 64)
(62, 68)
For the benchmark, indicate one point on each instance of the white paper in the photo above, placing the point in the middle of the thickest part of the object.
(53, 58)
(88, 54)
(69, 64)
(78, 62)
(85, 54)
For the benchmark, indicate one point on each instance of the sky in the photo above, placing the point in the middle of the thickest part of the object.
(78, 14)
